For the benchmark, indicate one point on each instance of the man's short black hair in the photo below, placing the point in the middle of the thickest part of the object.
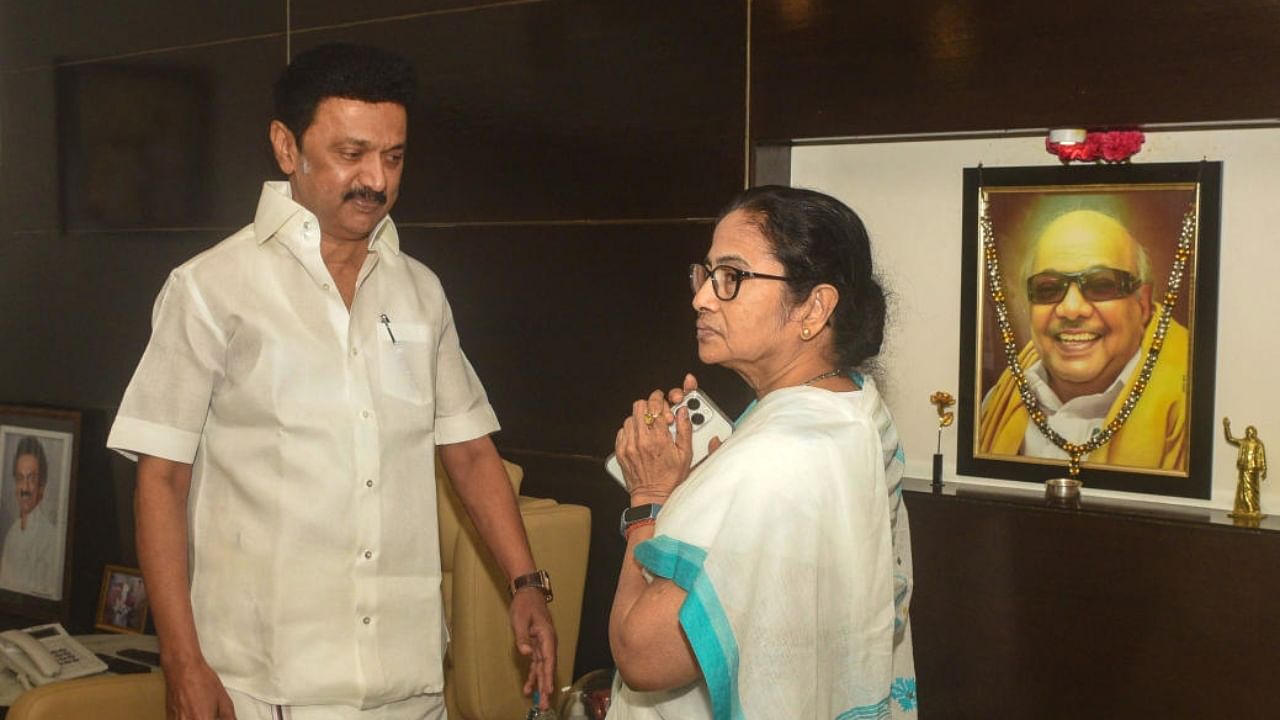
(340, 70)
(28, 445)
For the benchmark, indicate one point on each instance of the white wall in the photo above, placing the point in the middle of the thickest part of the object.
(909, 195)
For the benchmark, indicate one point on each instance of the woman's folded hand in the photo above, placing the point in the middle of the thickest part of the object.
(653, 461)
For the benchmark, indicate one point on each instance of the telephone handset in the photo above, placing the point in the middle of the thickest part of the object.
(45, 653)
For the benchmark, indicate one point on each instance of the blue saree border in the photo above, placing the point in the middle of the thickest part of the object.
(878, 711)
(701, 616)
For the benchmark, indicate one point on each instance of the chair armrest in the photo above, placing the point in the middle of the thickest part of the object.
(103, 697)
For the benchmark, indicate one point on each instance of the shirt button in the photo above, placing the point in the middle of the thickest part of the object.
(368, 483)
(364, 414)
(368, 554)
(355, 352)
(325, 286)
(367, 620)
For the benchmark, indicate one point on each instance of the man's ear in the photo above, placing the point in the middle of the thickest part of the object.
(285, 147)
(1144, 302)
(816, 310)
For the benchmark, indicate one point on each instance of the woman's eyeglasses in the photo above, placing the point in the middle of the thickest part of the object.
(1096, 285)
(725, 280)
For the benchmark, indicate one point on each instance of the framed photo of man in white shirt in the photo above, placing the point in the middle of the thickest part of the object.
(38, 450)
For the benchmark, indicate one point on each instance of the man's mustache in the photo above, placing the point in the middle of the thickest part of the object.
(364, 193)
(1070, 325)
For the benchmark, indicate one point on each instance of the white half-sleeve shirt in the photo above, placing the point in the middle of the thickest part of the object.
(315, 562)
(32, 557)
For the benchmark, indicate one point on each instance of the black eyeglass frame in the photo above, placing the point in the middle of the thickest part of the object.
(1128, 283)
(738, 273)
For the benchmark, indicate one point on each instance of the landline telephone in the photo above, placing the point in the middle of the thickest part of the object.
(45, 653)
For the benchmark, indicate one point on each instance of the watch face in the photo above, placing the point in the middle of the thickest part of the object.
(640, 512)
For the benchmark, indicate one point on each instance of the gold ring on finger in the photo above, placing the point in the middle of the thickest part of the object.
(649, 418)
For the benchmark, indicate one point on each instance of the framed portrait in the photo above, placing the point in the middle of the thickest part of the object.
(39, 449)
(123, 602)
(1088, 322)
(119, 168)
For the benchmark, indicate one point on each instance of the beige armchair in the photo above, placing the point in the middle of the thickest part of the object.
(105, 697)
(483, 672)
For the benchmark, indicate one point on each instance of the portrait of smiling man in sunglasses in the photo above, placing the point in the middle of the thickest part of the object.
(1087, 285)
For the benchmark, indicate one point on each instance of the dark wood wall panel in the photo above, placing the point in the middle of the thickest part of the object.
(1026, 612)
(28, 152)
(77, 310)
(310, 14)
(45, 32)
(567, 110)
(830, 68)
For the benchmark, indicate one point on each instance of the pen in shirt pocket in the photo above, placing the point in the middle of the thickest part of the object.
(386, 322)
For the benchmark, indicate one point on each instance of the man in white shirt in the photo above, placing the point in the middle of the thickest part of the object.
(300, 377)
(31, 563)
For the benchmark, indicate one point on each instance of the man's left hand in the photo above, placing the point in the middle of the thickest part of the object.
(535, 639)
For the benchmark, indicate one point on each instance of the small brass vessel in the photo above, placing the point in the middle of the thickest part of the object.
(1062, 490)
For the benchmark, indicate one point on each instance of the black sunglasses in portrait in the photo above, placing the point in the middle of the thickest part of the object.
(1096, 285)
(725, 280)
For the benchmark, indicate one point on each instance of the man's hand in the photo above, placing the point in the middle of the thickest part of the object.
(194, 692)
(536, 640)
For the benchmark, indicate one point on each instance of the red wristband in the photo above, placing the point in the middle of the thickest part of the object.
(638, 523)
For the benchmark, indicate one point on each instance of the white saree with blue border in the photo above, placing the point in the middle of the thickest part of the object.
(792, 545)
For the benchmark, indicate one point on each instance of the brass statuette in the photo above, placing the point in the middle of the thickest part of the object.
(1251, 464)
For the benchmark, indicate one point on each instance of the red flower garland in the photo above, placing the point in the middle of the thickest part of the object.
(1112, 146)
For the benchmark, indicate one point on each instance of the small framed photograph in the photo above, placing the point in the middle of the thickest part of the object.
(1089, 321)
(122, 605)
(39, 450)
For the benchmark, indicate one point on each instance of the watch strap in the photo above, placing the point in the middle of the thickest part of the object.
(539, 579)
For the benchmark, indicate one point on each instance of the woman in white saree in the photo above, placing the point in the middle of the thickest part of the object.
(773, 580)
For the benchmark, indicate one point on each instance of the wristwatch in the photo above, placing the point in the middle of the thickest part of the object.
(632, 515)
(540, 579)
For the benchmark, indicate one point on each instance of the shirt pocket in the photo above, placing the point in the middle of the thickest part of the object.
(405, 359)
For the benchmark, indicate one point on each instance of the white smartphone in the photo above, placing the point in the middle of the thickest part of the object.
(708, 421)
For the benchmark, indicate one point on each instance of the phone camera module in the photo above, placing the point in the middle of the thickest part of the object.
(693, 404)
(697, 419)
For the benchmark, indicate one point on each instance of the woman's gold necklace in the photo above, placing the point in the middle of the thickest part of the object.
(1076, 451)
(823, 376)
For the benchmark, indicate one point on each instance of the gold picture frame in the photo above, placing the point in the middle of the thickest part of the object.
(123, 603)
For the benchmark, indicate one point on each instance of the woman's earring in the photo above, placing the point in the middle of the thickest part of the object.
(804, 333)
